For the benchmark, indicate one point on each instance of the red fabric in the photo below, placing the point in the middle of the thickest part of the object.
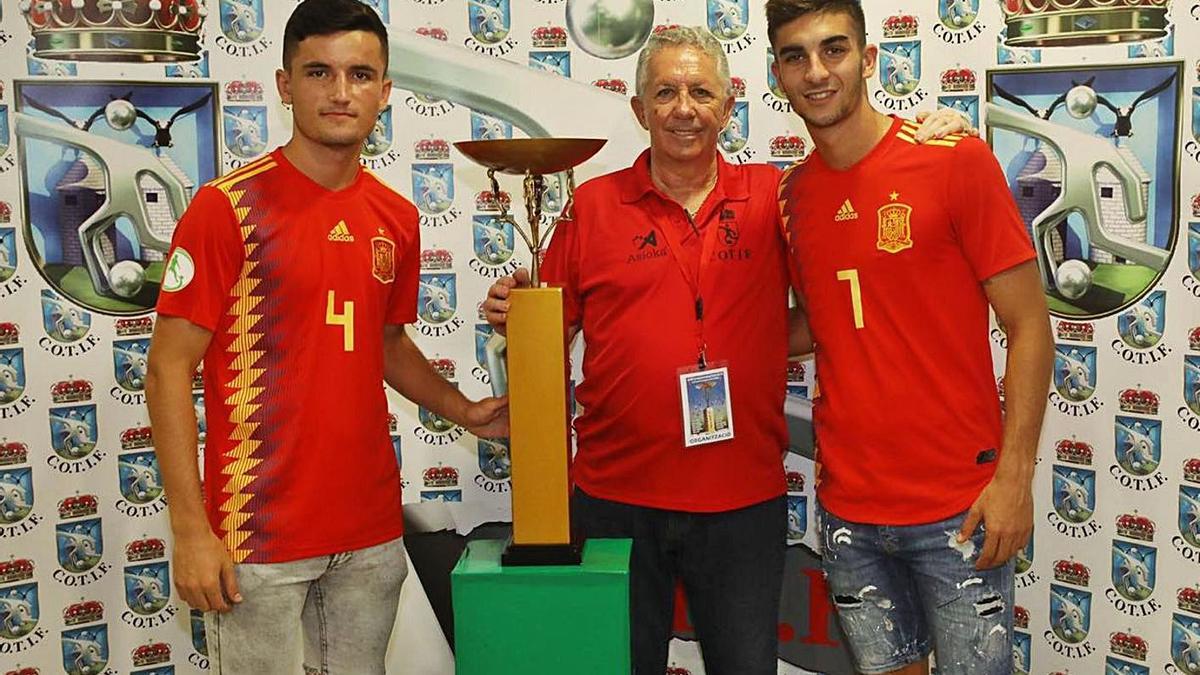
(297, 426)
(625, 289)
(909, 400)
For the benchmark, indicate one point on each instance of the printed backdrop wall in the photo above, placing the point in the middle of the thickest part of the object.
(113, 113)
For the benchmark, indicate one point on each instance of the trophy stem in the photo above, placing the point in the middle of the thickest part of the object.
(534, 187)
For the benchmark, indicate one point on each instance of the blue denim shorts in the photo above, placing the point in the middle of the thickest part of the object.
(903, 591)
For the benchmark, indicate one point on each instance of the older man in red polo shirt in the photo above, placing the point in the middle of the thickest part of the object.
(675, 269)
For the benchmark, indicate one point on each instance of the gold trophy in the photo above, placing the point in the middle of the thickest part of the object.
(536, 371)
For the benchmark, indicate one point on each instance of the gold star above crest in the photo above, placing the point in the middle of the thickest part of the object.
(894, 195)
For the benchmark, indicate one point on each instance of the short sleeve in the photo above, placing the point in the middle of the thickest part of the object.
(204, 262)
(560, 267)
(402, 305)
(990, 230)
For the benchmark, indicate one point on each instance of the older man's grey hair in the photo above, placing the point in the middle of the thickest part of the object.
(683, 36)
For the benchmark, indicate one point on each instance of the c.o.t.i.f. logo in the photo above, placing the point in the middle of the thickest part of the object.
(80, 544)
(1191, 382)
(490, 20)
(1134, 569)
(1189, 514)
(1021, 651)
(16, 494)
(129, 363)
(8, 253)
(1070, 613)
(1075, 371)
(85, 650)
(727, 19)
(380, 138)
(737, 131)
(958, 14)
(484, 128)
(63, 321)
(433, 187)
(141, 482)
(245, 130)
(1138, 444)
(73, 431)
(1141, 326)
(900, 67)
(1185, 642)
(1074, 493)
(495, 461)
(242, 20)
(147, 588)
(494, 239)
(12, 374)
(19, 611)
(1024, 559)
(437, 297)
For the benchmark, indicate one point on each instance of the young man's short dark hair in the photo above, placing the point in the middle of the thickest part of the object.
(780, 12)
(326, 17)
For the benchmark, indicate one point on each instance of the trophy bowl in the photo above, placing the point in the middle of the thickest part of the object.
(538, 156)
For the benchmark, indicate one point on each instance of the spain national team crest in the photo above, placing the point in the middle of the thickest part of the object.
(737, 131)
(141, 482)
(242, 20)
(8, 253)
(1189, 514)
(490, 20)
(73, 431)
(199, 637)
(12, 375)
(958, 14)
(1074, 493)
(495, 460)
(1185, 642)
(1074, 372)
(900, 67)
(1191, 382)
(1138, 444)
(895, 226)
(1142, 325)
(63, 321)
(19, 611)
(379, 140)
(147, 588)
(129, 363)
(494, 240)
(1134, 570)
(16, 495)
(437, 298)
(484, 128)
(80, 544)
(797, 518)
(1022, 649)
(556, 62)
(433, 187)
(727, 19)
(245, 130)
(85, 650)
(1070, 613)
(383, 259)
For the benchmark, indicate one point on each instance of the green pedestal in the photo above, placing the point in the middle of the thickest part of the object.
(542, 620)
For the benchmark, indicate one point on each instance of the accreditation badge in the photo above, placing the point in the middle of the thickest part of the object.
(707, 405)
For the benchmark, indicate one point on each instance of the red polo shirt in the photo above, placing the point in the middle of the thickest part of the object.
(626, 286)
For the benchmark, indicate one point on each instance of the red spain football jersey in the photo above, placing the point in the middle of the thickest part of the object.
(890, 256)
(296, 283)
(624, 287)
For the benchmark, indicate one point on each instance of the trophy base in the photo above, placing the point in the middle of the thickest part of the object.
(524, 555)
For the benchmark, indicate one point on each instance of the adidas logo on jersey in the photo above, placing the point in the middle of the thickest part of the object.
(846, 212)
(340, 232)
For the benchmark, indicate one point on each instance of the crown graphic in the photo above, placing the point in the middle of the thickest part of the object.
(10, 333)
(145, 549)
(1141, 401)
(13, 452)
(487, 200)
(78, 505)
(431, 148)
(436, 259)
(787, 145)
(1074, 451)
(136, 437)
(440, 476)
(545, 37)
(1135, 526)
(612, 84)
(433, 32)
(1075, 330)
(958, 79)
(1128, 644)
(1072, 572)
(738, 85)
(244, 91)
(1194, 338)
(151, 653)
(16, 570)
(70, 391)
(84, 611)
(900, 26)
(5, 212)
(444, 367)
(1056, 23)
(140, 325)
(795, 481)
(1191, 470)
(1189, 598)
(116, 30)
(1020, 617)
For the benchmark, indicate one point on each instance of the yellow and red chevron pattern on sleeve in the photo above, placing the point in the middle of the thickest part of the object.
(243, 388)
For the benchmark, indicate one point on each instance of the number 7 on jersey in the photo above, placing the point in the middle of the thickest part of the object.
(855, 294)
